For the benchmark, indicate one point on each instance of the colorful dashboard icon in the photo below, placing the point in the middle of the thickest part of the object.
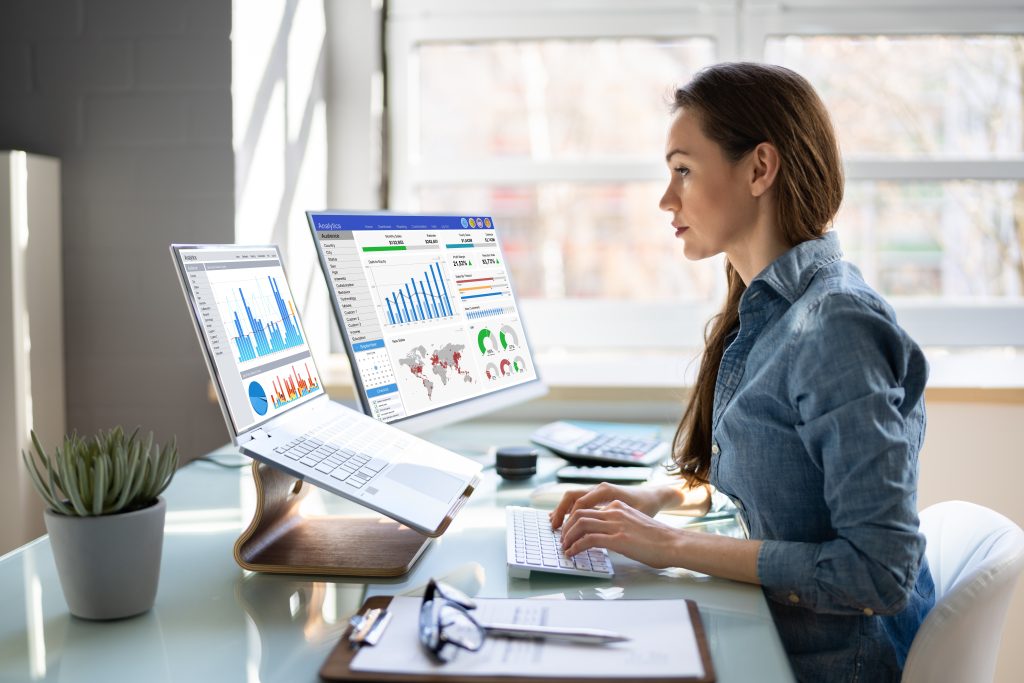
(487, 222)
(465, 223)
(472, 223)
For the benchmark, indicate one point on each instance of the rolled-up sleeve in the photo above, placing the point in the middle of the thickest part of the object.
(857, 383)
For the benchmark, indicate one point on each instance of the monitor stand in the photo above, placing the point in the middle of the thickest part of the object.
(280, 540)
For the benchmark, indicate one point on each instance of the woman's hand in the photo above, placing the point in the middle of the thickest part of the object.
(648, 500)
(625, 530)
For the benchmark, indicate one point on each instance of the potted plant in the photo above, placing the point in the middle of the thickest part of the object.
(105, 518)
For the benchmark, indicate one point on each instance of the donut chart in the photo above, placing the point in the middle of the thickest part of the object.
(485, 340)
(509, 338)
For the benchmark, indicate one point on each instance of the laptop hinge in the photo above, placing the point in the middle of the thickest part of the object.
(258, 434)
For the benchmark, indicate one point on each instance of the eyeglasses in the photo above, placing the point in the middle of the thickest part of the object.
(446, 626)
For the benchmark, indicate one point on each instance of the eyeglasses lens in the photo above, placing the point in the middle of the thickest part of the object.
(446, 627)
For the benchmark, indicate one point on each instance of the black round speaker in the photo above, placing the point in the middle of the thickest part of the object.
(516, 462)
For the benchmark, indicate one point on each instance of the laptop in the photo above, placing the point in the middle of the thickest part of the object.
(275, 405)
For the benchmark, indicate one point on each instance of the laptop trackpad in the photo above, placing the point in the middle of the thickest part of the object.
(432, 482)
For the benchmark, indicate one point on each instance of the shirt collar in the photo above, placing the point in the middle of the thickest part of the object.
(790, 274)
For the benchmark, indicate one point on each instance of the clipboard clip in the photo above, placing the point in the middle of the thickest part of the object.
(368, 627)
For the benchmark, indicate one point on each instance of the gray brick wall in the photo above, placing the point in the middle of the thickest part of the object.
(134, 97)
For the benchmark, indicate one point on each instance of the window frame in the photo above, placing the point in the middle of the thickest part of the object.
(739, 30)
(946, 322)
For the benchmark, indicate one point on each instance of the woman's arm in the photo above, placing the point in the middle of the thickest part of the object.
(690, 501)
(628, 531)
(857, 383)
(649, 500)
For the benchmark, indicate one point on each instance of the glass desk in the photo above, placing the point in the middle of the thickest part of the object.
(215, 622)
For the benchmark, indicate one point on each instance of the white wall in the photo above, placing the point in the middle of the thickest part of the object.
(133, 96)
(975, 452)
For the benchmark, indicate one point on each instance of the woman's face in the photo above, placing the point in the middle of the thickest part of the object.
(708, 196)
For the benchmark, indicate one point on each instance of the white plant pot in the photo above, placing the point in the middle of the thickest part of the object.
(109, 566)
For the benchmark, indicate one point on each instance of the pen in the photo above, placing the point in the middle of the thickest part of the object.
(594, 636)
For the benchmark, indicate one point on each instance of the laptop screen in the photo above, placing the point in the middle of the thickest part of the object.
(250, 327)
(426, 309)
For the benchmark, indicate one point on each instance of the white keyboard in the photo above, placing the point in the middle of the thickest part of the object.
(532, 546)
(336, 450)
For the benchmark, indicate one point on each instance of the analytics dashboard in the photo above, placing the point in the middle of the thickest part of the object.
(426, 307)
(252, 331)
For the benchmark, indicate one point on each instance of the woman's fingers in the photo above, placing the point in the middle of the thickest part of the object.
(610, 520)
(620, 528)
(580, 500)
(589, 503)
(591, 523)
(564, 506)
(589, 541)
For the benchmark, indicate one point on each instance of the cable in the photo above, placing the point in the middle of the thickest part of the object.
(220, 463)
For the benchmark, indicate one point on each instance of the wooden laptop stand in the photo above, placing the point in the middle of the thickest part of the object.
(280, 540)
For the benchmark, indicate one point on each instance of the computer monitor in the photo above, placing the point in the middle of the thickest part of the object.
(428, 315)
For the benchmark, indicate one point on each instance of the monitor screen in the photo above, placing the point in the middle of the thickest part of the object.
(250, 328)
(427, 311)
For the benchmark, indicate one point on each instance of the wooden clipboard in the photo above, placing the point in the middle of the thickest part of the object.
(336, 667)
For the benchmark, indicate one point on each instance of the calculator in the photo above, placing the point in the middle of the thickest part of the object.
(582, 446)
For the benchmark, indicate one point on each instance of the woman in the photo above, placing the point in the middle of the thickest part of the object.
(808, 411)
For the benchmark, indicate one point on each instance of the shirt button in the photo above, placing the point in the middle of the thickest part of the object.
(794, 598)
(868, 611)
(714, 448)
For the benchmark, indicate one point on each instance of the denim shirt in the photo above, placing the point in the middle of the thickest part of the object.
(817, 422)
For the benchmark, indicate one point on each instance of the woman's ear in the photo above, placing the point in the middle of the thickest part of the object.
(765, 162)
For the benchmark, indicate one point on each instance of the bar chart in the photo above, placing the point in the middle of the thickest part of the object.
(421, 297)
(261, 334)
(293, 386)
(483, 286)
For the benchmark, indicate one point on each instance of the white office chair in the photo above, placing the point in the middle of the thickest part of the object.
(975, 556)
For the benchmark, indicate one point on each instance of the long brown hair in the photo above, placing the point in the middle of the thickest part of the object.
(739, 106)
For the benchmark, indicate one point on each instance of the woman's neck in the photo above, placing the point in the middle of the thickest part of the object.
(757, 250)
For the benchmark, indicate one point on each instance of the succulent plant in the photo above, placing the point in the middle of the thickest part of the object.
(104, 475)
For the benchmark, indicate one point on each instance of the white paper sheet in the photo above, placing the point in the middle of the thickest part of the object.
(662, 641)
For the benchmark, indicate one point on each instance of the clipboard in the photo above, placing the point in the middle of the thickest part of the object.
(337, 665)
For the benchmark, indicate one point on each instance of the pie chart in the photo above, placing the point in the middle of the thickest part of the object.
(258, 398)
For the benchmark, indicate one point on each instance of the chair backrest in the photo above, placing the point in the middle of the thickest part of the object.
(975, 556)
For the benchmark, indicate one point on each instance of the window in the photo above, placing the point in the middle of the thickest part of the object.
(554, 123)
(940, 101)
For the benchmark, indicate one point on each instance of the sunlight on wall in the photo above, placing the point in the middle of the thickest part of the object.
(258, 199)
(280, 141)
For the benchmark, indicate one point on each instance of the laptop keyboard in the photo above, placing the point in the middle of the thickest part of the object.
(338, 451)
(532, 545)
